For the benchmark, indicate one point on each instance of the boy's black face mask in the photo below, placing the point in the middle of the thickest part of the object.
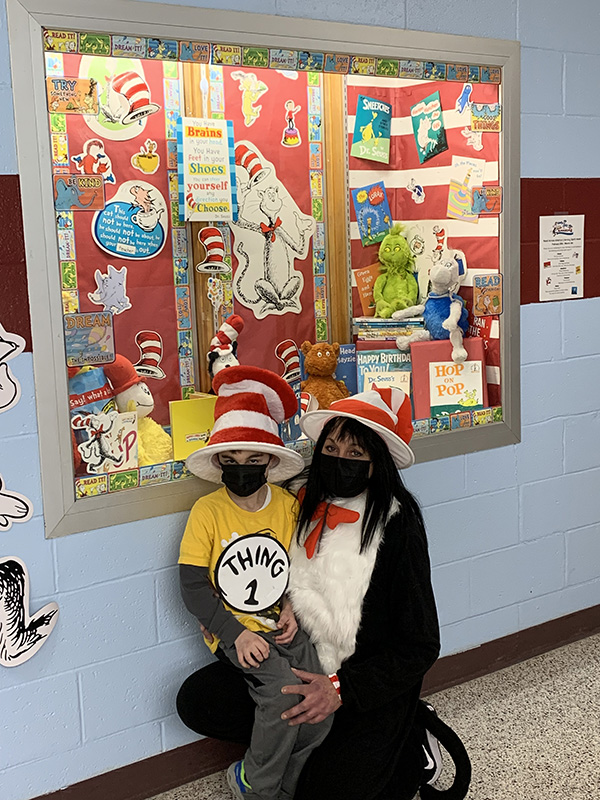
(244, 479)
(343, 477)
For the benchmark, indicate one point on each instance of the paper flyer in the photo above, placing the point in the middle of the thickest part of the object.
(206, 170)
(372, 126)
(372, 212)
(428, 127)
(561, 257)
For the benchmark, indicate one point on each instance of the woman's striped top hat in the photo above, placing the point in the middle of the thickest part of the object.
(136, 92)
(385, 410)
(214, 244)
(251, 404)
(150, 345)
(249, 159)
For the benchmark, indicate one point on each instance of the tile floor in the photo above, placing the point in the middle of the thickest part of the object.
(532, 730)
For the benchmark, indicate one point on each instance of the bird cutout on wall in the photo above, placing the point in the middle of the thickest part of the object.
(14, 507)
(21, 636)
(11, 345)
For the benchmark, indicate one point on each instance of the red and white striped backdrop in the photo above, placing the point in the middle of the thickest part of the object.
(480, 241)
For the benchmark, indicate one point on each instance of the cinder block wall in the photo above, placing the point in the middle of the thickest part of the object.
(514, 533)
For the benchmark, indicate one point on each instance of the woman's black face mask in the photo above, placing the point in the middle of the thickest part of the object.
(244, 479)
(343, 477)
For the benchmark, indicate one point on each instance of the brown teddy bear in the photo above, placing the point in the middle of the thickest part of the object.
(320, 361)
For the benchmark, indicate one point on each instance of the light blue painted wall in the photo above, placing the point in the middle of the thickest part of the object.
(515, 533)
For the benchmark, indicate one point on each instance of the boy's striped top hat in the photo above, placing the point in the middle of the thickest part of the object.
(386, 411)
(249, 159)
(287, 352)
(214, 244)
(227, 334)
(251, 403)
(137, 93)
(150, 345)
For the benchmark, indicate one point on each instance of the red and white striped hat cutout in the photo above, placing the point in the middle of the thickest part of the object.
(288, 353)
(251, 404)
(137, 93)
(386, 410)
(226, 335)
(150, 345)
(308, 402)
(250, 160)
(214, 244)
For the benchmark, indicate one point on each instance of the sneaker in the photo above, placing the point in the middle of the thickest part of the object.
(432, 755)
(236, 780)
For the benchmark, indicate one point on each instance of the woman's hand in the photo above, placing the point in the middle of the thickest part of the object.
(251, 649)
(287, 624)
(320, 699)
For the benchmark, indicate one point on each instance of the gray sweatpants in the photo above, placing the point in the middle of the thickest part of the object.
(278, 751)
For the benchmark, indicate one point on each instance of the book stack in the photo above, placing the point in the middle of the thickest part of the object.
(381, 334)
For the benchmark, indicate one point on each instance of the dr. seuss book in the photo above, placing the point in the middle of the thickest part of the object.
(372, 212)
(385, 368)
(191, 423)
(441, 387)
(455, 387)
(372, 125)
(365, 277)
(428, 127)
(465, 173)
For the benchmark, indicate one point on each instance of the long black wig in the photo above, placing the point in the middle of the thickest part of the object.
(385, 484)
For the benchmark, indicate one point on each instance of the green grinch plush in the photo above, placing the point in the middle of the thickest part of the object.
(396, 288)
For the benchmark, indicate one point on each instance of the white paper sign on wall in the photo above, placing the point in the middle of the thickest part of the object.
(11, 345)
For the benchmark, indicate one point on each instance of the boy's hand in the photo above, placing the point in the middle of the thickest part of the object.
(287, 624)
(251, 649)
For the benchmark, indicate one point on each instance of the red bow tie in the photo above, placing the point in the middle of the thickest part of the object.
(326, 514)
(271, 228)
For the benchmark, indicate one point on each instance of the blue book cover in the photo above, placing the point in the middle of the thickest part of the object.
(372, 212)
(372, 128)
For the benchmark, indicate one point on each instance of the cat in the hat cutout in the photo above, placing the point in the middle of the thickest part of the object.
(269, 235)
(103, 449)
(124, 96)
(11, 344)
(222, 352)
(150, 345)
(214, 245)
(21, 636)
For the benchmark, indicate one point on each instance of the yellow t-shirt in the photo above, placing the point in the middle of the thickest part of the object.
(250, 574)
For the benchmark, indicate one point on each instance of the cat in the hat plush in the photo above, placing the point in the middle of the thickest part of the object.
(235, 542)
(222, 351)
(132, 394)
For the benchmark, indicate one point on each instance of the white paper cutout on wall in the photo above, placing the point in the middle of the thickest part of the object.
(11, 345)
(111, 291)
(111, 442)
(270, 234)
(21, 635)
(14, 507)
(474, 138)
(252, 90)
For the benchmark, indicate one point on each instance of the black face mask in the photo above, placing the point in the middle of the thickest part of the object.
(244, 479)
(343, 477)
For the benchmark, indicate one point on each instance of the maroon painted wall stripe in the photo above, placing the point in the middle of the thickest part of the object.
(539, 197)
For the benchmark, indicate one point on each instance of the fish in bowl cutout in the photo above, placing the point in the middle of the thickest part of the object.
(269, 234)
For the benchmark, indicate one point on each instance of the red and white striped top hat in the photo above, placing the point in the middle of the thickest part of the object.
(137, 93)
(287, 352)
(251, 402)
(150, 345)
(226, 335)
(214, 244)
(386, 411)
(249, 159)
